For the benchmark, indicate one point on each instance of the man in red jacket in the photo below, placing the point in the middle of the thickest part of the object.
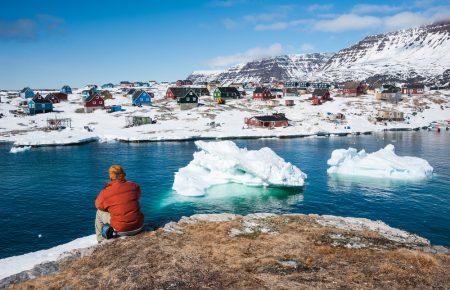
(118, 205)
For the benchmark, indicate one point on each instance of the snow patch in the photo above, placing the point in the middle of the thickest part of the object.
(224, 162)
(16, 264)
(383, 163)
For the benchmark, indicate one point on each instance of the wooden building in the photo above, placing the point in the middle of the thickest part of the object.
(38, 104)
(93, 102)
(413, 89)
(226, 93)
(141, 98)
(262, 93)
(66, 90)
(269, 121)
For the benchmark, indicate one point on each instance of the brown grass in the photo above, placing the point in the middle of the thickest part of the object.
(206, 257)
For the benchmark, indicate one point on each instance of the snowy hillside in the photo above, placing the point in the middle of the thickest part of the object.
(417, 54)
(421, 53)
(282, 67)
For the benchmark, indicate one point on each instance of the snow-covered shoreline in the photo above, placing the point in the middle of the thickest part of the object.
(16, 264)
(211, 121)
(104, 139)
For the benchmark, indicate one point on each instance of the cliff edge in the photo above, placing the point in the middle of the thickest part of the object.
(255, 251)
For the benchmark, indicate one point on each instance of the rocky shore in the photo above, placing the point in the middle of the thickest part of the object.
(256, 251)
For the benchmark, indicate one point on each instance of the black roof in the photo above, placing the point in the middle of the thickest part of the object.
(272, 118)
(25, 89)
(181, 92)
(415, 86)
(259, 90)
(228, 90)
(40, 99)
(320, 92)
(391, 89)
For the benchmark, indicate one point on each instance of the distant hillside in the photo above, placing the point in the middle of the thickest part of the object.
(284, 67)
(416, 54)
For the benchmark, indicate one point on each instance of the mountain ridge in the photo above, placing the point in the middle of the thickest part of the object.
(408, 55)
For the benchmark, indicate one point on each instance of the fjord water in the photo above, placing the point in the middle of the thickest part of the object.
(47, 194)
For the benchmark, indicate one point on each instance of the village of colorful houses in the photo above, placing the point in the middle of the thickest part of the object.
(152, 111)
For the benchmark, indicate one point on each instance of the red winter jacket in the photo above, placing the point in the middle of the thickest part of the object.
(121, 200)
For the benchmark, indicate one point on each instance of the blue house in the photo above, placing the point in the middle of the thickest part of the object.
(108, 86)
(38, 104)
(26, 93)
(66, 90)
(85, 94)
(141, 98)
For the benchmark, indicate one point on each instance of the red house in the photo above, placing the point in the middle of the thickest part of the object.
(262, 93)
(275, 120)
(413, 89)
(52, 98)
(353, 89)
(320, 96)
(93, 102)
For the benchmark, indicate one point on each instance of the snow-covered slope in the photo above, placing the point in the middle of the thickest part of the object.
(283, 67)
(419, 53)
(416, 54)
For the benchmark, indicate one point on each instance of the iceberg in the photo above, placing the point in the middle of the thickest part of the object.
(383, 163)
(15, 149)
(224, 162)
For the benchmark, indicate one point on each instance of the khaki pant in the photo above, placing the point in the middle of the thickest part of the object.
(101, 218)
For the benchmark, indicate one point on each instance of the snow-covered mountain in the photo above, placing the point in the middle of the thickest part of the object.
(283, 67)
(416, 54)
(421, 53)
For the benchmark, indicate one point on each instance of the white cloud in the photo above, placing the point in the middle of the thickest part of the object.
(261, 17)
(280, 25)
(442, 16)
(320, 7)
(226, 3)
(229, 23)
(307, 47)
(373, 8)
(347, 22)
(404, 20)
(249, 55)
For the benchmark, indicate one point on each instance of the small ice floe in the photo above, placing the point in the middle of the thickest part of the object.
(223, 162)
(383, 163)
(19, 149)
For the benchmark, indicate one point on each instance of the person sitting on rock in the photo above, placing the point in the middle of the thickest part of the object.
(118, 209)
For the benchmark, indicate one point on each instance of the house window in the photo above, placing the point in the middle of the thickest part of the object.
(194, 99)
(94, 102)
(188, 99)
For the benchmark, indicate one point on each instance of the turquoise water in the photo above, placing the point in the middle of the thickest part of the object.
(51, 191)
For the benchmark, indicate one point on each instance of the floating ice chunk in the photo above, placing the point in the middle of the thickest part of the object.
(381, 164)
(223, 162)
(19, 149)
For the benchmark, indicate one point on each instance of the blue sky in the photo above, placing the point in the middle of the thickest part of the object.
(48, 43)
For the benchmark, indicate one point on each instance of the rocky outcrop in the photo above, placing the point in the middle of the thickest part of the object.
(261, 250)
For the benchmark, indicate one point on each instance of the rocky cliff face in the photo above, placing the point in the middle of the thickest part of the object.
(284, 67)
(417, 54)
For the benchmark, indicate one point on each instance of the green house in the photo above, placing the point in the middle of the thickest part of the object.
(226, 93)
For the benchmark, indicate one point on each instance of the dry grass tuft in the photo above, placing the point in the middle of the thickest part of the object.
(298, 254)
